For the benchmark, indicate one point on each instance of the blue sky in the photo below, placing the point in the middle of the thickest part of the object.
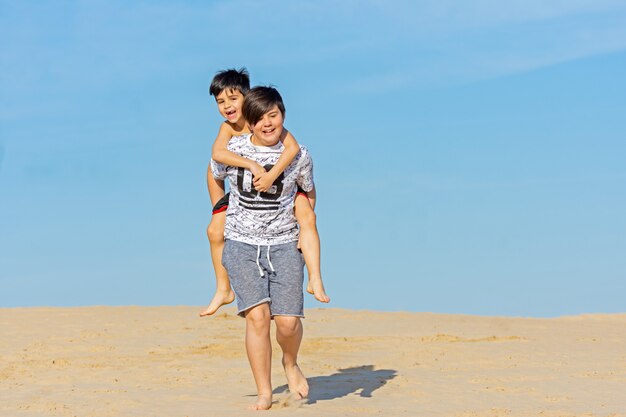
(469, 156)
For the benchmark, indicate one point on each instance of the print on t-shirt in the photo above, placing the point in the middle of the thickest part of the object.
(263, 218)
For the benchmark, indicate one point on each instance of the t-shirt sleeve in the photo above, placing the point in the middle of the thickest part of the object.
(305, 171)
(218, 170)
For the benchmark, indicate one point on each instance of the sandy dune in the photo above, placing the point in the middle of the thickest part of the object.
(165, 361)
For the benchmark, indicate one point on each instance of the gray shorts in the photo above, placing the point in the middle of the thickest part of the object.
(266, 274)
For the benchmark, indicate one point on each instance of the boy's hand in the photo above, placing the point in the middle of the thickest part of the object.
(256, 170)
(264, 182)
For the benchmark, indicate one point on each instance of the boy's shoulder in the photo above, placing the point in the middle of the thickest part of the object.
(227, 128)
(302, 159)
(304, 152)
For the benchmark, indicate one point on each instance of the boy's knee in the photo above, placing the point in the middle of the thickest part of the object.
(287, 326)
(307, 218)
(259, 317)
(215, 233)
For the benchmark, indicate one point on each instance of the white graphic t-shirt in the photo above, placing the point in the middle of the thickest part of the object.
(263, 218)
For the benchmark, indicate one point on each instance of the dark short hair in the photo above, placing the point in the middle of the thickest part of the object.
(260, 100)
(230, 79)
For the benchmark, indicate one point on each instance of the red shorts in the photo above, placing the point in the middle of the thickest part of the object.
(222, 204)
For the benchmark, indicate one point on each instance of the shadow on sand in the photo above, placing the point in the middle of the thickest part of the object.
(359, 380)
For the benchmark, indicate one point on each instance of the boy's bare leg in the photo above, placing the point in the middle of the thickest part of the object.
(289, 337)
(259, 349)
(310, 246)
(223, 292)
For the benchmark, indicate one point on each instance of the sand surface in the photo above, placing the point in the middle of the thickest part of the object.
(166, 361)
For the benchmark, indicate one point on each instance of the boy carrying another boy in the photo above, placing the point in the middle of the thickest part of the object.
(229, 88)
(260, 252)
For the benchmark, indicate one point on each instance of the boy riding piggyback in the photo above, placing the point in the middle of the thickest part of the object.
(229, 88)
(260, 253)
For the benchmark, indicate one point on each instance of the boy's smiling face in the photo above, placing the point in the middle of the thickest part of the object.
(267, 131)
(229, 104)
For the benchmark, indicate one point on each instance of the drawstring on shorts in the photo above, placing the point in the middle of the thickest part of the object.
(268, 259)
(258, 256)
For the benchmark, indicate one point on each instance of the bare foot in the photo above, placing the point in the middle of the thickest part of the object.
(219, 299)
(298, 386)
(316, 287)
(263, 402)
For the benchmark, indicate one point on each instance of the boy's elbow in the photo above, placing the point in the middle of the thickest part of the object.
(217, 156)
